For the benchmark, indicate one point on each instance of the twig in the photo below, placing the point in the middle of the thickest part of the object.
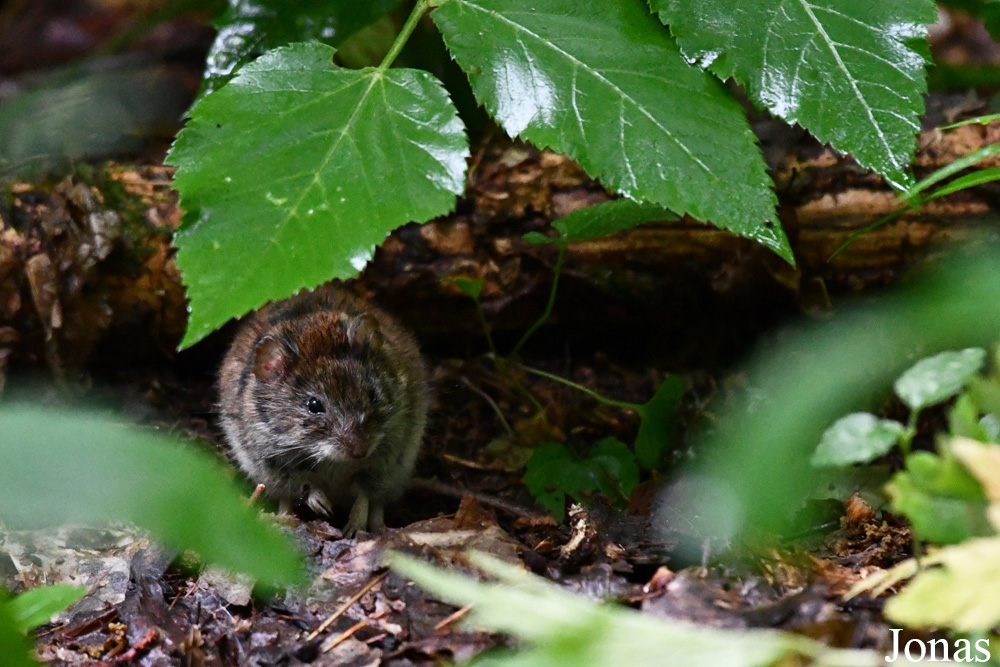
(344, 607)
(347, 634)
(451, 618)
(486, 397)
(443, 489)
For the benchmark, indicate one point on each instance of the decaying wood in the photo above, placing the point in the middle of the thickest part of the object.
(87, 273)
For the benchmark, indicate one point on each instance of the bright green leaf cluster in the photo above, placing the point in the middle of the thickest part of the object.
(554, 471)
(939, 497)
(862, 437)
(602, 82)
(299, 168)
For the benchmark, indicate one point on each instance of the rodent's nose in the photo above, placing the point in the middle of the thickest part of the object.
(355, 445)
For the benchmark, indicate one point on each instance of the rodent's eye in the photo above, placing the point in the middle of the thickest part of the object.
(315, 406)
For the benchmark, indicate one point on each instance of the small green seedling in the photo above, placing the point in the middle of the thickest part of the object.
(941, 499)
(555, 471)
(862, 437)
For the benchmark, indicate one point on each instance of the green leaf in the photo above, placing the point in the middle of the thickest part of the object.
(957, 587)
(37, 606)
(938, 175)
(938, 378)
(561, 628)
(978, 177)
(65, 467)
(471, 287)
(604, 219)
(964, 420)
(248, 28)
(857, 438)
(615, 470)
(978, 120)
(659, 422)
(850, 73)
(14, 647)
(603, 83)
(940, 498)
(296, 170)
(617, 215)
(547, 474)
(555, 471)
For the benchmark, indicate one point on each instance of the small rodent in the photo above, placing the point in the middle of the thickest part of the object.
(325, 394)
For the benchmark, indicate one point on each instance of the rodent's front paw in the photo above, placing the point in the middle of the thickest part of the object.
(319, 503)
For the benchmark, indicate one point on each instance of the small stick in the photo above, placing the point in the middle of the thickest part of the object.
(454, 617)
(443, 489)
(256, 494)
(486, 397)
(354, 628)
(344, 607)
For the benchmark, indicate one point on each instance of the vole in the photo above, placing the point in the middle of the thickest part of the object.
(324, 394)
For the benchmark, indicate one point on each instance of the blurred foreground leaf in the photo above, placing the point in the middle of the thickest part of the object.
(63, 467)
(756, 457)
(35, 607)
(567, 629)
(15, 649)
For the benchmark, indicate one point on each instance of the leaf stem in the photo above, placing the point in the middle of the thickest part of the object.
(397, 46)
(557, 269)
(906, 440)
(579, 387)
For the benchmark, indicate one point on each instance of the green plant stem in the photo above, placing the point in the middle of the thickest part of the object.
(411, 23)
(548, 307)
(486, 329)
(906, 439)
(581, 388)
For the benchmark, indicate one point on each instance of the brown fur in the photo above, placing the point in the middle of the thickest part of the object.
(325, 394)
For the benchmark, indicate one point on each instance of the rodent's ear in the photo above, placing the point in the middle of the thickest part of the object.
(365, 329)
(270, 359)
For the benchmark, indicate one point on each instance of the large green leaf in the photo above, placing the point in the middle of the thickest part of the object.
(64, 467)
(248, 28)
(603, 82)
(296, 170)
(852, 73)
